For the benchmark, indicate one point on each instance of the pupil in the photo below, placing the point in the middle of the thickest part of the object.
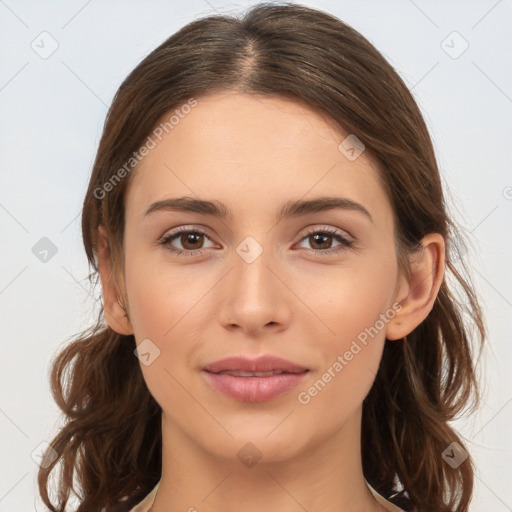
(190, 239)
(325, 237)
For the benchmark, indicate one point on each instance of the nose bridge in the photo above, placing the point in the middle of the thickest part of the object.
(255, 295)
(251, 262)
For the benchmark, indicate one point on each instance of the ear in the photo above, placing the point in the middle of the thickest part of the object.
(115, 315)
(417, 292)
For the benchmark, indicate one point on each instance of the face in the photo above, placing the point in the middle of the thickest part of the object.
(316, 288)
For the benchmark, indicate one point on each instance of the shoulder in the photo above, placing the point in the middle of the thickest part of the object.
(384, 502)
(147, 501)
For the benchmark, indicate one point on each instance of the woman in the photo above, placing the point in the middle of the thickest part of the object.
(266, 217)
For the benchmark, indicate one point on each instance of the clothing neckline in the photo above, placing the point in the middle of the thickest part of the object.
(148, 501)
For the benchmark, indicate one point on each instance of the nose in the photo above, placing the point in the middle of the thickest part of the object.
(254, 295)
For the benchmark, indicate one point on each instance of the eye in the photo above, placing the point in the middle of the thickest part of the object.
(190, 240)
(324, 237)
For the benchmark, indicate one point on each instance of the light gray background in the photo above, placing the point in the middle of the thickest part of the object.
(52, 111)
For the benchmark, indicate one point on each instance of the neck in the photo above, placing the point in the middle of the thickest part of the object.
(322, 476)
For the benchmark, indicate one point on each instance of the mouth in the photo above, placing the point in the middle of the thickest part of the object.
(254, 380)
(254, 388)
(261, 366)
(239, 373)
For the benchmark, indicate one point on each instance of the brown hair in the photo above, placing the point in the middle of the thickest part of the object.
(111, 440)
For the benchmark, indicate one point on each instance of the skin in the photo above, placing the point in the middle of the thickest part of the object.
(254, 153)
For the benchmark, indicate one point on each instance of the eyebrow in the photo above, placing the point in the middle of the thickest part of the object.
(295, 208)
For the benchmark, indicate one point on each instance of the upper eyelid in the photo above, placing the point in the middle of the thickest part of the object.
(185, 229)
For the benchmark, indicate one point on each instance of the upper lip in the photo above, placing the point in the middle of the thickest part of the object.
(264, 363)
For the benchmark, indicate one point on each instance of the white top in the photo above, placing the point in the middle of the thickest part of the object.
(146, 503)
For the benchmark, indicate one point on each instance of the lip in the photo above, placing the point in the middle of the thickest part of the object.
(254, 389)
(264, 363)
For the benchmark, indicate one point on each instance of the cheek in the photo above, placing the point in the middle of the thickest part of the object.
(166, 306)
(160, 296)
(353, 307)
(350, 357)
(347, 302)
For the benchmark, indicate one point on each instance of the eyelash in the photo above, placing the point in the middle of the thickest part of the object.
(346, 243)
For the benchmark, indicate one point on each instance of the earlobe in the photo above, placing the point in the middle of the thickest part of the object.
(417, 293)
(115, 314)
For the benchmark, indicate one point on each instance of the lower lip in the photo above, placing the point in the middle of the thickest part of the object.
(254, 389)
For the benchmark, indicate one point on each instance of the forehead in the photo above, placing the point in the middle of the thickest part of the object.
(252, 150)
